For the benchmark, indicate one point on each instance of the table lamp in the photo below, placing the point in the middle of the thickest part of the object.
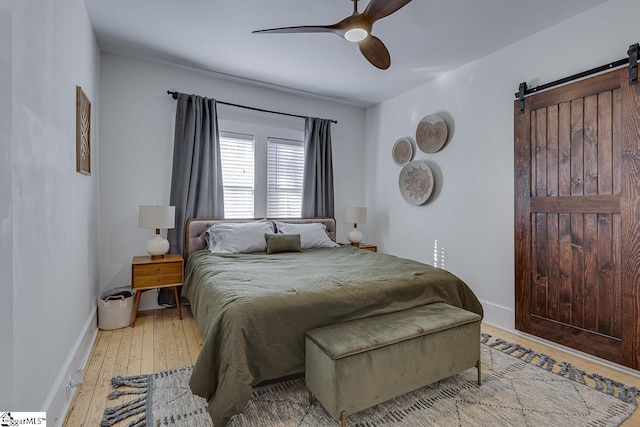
(157, 217)
(355, 216)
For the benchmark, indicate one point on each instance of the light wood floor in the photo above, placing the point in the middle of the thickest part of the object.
(161, 341)
(158, 342)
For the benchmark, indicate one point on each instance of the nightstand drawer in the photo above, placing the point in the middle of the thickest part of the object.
(158, 268)
(156, 280)
(149, 273)
(366, 247)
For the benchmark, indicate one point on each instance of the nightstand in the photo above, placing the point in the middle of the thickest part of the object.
(148, 273)
(366, 247)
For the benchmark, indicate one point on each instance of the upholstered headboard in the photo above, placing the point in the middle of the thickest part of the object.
(197, 227)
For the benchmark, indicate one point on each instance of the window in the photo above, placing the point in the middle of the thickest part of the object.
(237, 158)
(261, 174)
(285, 172)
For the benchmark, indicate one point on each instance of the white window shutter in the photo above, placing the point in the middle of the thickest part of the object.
(237, 158)
(285, 172)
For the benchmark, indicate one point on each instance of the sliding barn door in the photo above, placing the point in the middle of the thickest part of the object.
(577, 216)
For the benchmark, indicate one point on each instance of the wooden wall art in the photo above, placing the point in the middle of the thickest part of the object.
(431, 133)
(83, 132)
(403, 150)
(416, 182)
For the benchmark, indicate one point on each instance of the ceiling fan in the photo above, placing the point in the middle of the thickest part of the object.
(357, 29)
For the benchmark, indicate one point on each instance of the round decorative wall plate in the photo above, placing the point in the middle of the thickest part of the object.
(431, 133)
(402, 151)
(416, 182)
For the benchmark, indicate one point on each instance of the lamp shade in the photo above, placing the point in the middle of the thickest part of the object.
(355, 215)
(157, 217)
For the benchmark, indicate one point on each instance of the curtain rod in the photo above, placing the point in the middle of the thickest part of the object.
(174, 95)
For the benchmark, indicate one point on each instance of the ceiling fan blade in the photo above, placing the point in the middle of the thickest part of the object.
(376, 52)
(300, 29)
(378, 9)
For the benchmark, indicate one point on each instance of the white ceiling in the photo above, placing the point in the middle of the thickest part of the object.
(425, 38)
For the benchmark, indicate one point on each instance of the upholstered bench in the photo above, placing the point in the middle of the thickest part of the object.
(354, 365)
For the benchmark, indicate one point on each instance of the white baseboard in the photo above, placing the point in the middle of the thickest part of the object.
(60, 396)
(498, 315)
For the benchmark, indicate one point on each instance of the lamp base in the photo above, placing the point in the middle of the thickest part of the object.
(157, 247)
(355, 236)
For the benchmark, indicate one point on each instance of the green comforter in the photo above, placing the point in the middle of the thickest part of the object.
(253, 310)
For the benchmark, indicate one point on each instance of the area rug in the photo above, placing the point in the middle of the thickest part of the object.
(519, 388)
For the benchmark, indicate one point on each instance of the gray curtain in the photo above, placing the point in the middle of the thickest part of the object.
(196, 178)
(317, 188)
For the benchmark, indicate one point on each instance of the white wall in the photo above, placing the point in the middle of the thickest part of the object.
(136, 134)
(472, 213)
(6, 237)
(54, 208)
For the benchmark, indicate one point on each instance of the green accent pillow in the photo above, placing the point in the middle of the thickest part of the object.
(283, 243)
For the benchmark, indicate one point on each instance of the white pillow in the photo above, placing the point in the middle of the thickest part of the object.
(239, 237)
(312, 235)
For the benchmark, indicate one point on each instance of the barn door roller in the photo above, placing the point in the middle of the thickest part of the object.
(633, 64)
(522, 90)
(632, 60)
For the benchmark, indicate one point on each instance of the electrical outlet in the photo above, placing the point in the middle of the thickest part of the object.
(74, 381)
(76, 378)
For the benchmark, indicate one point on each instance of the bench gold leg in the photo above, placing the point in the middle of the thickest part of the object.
(310, 398)
(479, 366)
(343, 419)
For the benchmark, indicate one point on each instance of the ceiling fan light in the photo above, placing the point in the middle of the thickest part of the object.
(356, 35)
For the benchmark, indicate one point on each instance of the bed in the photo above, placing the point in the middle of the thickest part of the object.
(252, 310)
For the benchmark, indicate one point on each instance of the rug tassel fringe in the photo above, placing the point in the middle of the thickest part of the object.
(519, 352)
(484, 338)
(139, 381)
(625, 393)
(140, 422)
(124, 411)
(117, 393)
(116, 410)
(573, 373)
(628, 394)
